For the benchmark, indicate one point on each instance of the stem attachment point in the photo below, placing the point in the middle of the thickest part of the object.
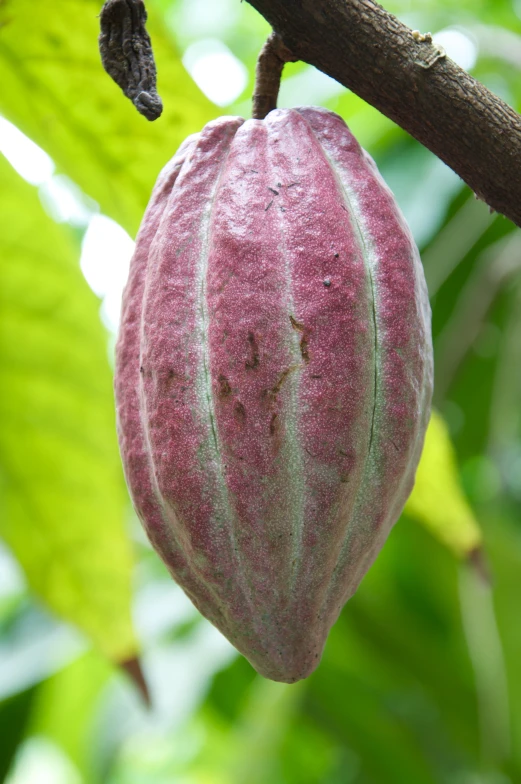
(272, 59)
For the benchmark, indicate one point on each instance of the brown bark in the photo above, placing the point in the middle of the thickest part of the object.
(373, 54)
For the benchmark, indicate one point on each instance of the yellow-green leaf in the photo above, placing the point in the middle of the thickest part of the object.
(437, 500)
(55, 90)
(62, 495)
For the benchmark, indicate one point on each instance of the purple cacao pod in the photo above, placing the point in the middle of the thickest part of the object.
(273, 378)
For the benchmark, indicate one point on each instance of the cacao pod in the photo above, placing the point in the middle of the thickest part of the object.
(273, 378)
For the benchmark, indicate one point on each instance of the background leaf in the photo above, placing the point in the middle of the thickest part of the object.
(62, 495)
(15, 713)
(437, 500)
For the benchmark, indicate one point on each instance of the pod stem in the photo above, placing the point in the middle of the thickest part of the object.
(272, 59)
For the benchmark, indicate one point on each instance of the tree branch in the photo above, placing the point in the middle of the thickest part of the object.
(411, 81)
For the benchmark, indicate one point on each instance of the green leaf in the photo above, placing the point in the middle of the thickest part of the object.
(62, 495)
(437, 500)
(55, 90)
(261, 729)
(66, 707)
(15, 714)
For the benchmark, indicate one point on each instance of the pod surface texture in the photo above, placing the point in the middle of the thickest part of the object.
(273, 376)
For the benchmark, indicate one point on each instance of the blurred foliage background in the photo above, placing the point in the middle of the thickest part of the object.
(421, 677)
